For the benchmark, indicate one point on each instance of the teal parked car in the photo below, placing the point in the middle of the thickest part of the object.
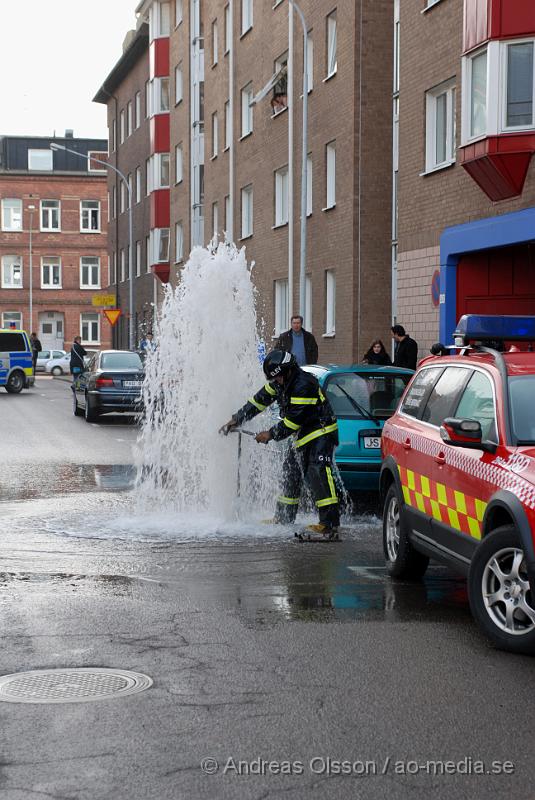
(362, 397)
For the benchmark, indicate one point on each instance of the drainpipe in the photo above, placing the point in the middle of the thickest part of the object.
(290, 95)
(230, 221)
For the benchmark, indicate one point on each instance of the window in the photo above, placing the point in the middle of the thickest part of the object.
(130, 192)
(50, 215)
(12, 319)
(228, 31)
(179, 12)
(90, 328)
(89, 272)
(310, 62)
(147, 253)
(179, 242)
(309, 188)
(163, 173)
(122, 127)
(281, 306)
(113, 136)
(159, 20)
(129, 118)
(246, 110)
(90, 216)
(160, 96)
(138, 184)
(227, 124)
(113, 278)
(179, 89)
(330, 302)
(440, 126)
(477, 402)
(148, 187)
(11, 272)
(279, 101)
(416, 398)
(331, 44)
(138, 259)
(147, 99)
(159, 244)
(50, 272)
(228, 220)
(214, 135)
(331, 175)
(214, 42)
(122, 203)
(478, 94)
(11, 214)
(40, 160)
(246, 15)
(138, 110)
(246, 212)
(281, 196)
(442, 401)
(114, 202)
(179, 164)
(519, 88)
(215, 218)
(122, 263)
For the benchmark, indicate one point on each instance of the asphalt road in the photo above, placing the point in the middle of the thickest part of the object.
(268, 656)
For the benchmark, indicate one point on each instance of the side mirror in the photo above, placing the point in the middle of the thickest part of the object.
(465, 433)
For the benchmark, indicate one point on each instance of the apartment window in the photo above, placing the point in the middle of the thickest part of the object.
(159, 245)
(246, 110)
(331, 174)
(309, 186)
(214, 43)
(160, 96)
(228, 31)
(331, 44)
(90, 272)
(122, 264)
(50, 220)
(138, 184)
(114, 202)
(281, 196)
(246, 211)
(90, 216)
(11, 272)
(246, 15)
(130, 193)
(179, 12)
(138, 110)
(330, 302)
(147, 99)
(12, 319)
(478, 94)
(179, 88)
(40, 160)
(147, 253)
(159, 20)
(179, 164)
(310, 62)
(227, 124)
(148, 186)
(129, 118)
(113, 136)
(440, 126)
(11, 214)
(122, 204)
(179, 242)
(279, 100)
(50, 272)
(214, 135)
(122, 127)
(138, 259)
(281, 306)
(215, 218)
(228, 220)
(90, 328)
(113, 278)
(519, 85)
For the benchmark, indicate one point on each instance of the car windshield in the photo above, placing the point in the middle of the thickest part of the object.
(120, 361)
(521, 393)
(356, 395)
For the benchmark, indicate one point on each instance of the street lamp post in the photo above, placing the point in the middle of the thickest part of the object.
(31, 209)
(131, 293)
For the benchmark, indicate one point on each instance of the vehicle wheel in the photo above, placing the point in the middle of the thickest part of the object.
(15, 383)
(499, 591)
(76, 410)
(57, 371)
(90, 414)
(402, 560)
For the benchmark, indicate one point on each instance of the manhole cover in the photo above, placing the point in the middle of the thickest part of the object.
(79, 685)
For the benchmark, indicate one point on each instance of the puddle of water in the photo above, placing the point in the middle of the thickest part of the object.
(28, 482)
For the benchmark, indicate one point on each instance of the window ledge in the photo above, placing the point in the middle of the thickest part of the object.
(84, 231)
(89, 288)
(278, 113)
(226, 148)
(243, 238)
(177, 183)
(279, 225)
(330, 75)
(329, 208)
(245, 136)
(439, 168)
(214, 64)
(213, 158)
(430, 4)
(330, 335)
(244, 33)
(48, 230)
(177, 102)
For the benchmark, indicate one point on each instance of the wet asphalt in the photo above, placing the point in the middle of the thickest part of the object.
(283, 664)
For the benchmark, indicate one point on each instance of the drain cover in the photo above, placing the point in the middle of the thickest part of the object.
(80, 685)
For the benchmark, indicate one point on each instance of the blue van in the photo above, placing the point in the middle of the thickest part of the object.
(16, 365)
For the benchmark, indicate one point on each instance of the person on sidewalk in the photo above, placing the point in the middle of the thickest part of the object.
(406, 351)
(377, 355)
(299, 342)
(77, 357)
(36, 349)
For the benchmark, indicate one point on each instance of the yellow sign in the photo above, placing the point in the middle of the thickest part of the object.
(112, 315)
(103, 300)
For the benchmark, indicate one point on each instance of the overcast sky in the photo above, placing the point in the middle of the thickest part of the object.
(54, 56)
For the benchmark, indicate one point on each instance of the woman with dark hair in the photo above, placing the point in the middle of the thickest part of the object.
(377, 355)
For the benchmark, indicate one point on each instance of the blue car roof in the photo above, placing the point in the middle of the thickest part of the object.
(332, 369)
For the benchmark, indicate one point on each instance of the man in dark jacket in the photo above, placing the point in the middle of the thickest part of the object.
(77, 356)
(36, 349)
(299, 342)
(306, 413)
(406, 351)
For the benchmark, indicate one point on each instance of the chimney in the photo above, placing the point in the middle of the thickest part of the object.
(69, 133)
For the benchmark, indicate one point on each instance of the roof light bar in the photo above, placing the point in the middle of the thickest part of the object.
(475, 327)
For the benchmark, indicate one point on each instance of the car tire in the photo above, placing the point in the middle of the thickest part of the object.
(56, 371)
(90, 414)
(402, 560)
(76, 410)
(15, 383)
(499, 592)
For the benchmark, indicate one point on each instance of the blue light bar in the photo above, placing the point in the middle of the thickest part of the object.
(474, 327)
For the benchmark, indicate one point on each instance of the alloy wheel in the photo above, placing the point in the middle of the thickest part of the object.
(506, 592)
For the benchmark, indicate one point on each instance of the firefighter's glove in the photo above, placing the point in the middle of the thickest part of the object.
(228, 426)
(263, 437)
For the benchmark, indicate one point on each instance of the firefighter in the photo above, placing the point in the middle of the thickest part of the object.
(307, 415)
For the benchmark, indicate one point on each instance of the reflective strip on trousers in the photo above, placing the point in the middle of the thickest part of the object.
(328, 501)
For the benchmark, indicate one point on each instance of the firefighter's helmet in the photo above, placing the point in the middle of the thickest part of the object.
(279, 362)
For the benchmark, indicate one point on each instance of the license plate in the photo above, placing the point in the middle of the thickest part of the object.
(134, 384)
(372, 442)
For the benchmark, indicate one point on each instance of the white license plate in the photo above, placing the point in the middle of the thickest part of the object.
(372, 442)
(134, 384)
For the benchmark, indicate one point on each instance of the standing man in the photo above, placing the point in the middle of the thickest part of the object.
(77, 356)
(406, 350)
(299, 342)
(147, 345)
(36, 348)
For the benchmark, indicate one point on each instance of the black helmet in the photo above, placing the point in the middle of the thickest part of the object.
(278, 362)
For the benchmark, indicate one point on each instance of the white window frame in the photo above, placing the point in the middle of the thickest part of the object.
(179, 12)
(90, 320)
(159, 20)
(53, 263)
(281, 197)
(281, 305)
(138, 259)
(215, 218)
(148, 177)
(247, 95)
(122, 266)
(247, 211)
(504, 47)
(310, 176)
(492, 74)
(330, 302)
(179, 242)
(40, 153)
(310, 62)
(179, 84)
(160, 99)
(138, 184)
(11, 211)
(114, 201)
(215, 135)
(332, 36)
(10, 261)
(147, 99)
(330, 175)
(48, 212)
(228, 221)
(113, 276)
(147, 255)
(12, 316)
(447, 89)
(89, 284)
(122, 126)
(246, 16)
(227, 31)
(122, 198)
(179, 163)
(161, 165)
(227, 125)
(159, 245)
(113, 136)
(215, 43)
(129, 127)
(84, 229)
(138, 110)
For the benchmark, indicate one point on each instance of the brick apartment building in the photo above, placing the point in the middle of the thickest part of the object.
(53, 233)
(209, 161)
(466, 181)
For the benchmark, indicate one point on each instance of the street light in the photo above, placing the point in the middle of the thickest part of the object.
(31, 209)
(131, 332)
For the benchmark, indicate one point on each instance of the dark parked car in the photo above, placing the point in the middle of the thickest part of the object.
(112, 381)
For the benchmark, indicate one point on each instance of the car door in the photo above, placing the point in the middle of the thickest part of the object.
(81, 382)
